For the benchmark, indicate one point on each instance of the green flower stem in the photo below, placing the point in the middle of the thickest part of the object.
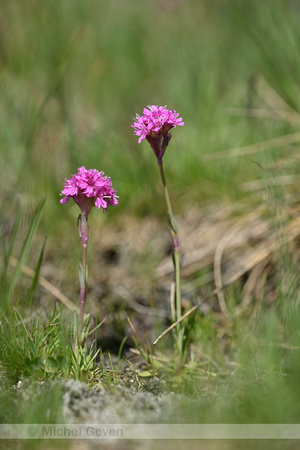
(169, 206)
(177, 283)
(175, 239)
(83, 232)
(83, 289)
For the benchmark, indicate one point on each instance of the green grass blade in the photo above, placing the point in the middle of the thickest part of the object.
(37, 269)
(13, 236)
(26, 246)
(6, 256)
(121, 348)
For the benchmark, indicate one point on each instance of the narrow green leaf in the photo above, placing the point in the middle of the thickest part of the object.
(4, 282)
(13, 236)
(38, 268)
(32, 347)
(121, 348)
(20, 318)
(26, 245)
(75, 325)
(81, 276)
(142, 353)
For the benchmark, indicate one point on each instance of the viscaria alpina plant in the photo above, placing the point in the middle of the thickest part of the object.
(154, 126)
(88, 188)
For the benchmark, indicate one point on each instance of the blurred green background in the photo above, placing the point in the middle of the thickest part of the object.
(73, 74)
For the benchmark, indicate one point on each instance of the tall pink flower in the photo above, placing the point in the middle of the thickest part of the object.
(89, 188)
(155, 125)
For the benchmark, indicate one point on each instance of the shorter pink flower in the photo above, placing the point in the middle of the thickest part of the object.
(89, 188)
(155, 125)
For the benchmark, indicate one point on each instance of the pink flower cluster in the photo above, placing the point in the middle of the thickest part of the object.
(155, 122)
(89, 188)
